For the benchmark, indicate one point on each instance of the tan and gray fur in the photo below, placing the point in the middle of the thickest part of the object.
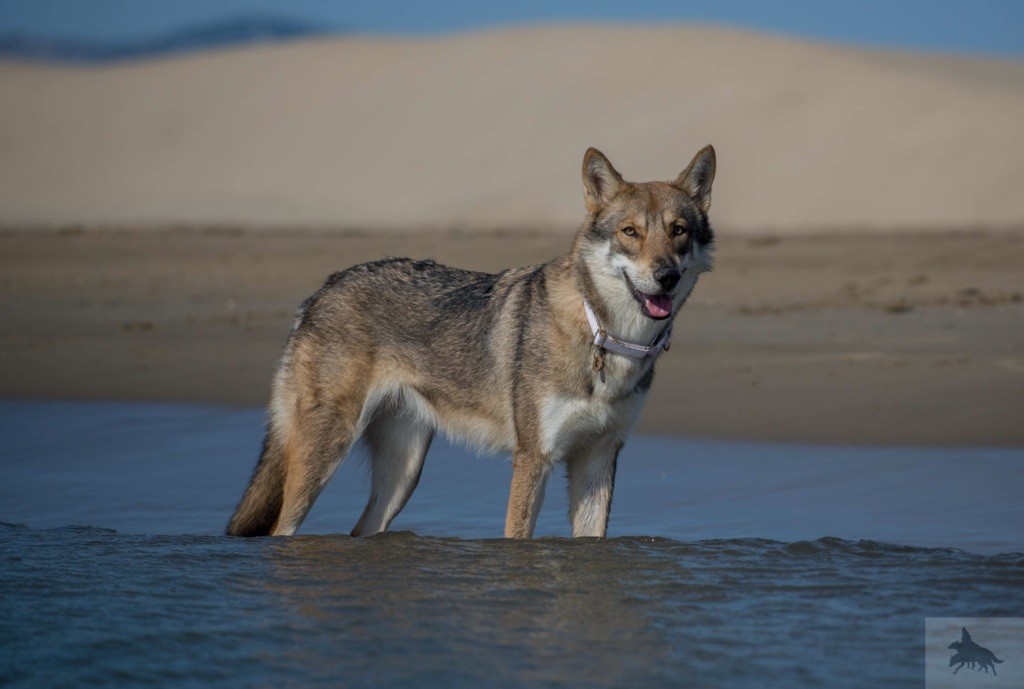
(397, 350)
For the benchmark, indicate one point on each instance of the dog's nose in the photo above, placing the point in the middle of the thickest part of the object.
(667, 277)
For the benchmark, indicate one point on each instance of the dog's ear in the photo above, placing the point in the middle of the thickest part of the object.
(696, 179)
(601, 181)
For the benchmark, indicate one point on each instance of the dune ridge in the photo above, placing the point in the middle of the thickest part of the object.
(487, 130)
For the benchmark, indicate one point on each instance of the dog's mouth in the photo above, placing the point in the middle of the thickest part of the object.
(655, 306)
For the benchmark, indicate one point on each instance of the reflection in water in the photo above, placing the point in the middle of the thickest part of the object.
(539, 611)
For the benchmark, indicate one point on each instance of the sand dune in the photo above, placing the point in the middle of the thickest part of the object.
(488, 130)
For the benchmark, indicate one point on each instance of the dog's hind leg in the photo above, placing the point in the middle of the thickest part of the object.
(299, 457)
(322, 424)
(398, 443)
(313, 455)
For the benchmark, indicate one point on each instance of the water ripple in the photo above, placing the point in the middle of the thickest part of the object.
(85, 605)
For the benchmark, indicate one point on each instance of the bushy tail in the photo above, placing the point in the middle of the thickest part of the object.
(260, 507)
(996, 659)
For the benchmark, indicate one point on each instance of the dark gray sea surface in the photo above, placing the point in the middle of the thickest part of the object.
(730, 564)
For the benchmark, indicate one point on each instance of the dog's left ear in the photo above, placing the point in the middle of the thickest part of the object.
(696, 179)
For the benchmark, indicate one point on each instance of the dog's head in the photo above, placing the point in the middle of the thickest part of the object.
(645, 243)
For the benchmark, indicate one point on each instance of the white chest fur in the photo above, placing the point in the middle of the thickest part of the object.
(568, 423)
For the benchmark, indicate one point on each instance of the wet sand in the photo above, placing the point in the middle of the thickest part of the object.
(855, 338)
(180, 469)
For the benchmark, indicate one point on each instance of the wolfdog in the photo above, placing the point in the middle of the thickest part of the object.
(550, 362)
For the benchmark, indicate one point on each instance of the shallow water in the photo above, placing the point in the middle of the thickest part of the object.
(748, 565)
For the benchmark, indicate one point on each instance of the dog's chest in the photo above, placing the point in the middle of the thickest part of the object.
(568, 422)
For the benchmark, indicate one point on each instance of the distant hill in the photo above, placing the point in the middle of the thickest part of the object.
(487, 130)
(225, 33)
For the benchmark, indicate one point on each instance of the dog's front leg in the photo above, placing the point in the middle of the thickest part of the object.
(591, 482)
(529, 477)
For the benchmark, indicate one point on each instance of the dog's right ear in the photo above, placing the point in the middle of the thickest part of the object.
(601, 181)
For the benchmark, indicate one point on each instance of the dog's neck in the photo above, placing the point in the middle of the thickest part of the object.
(616, 309)
(618, 374)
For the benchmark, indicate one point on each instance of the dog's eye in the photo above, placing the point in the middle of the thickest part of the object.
(678, 230)
(629, 231)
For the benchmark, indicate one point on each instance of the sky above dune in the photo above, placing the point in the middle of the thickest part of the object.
(994, 27)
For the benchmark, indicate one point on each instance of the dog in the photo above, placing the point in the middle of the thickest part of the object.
(550, 363)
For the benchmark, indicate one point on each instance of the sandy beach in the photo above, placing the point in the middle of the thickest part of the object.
(846, 338)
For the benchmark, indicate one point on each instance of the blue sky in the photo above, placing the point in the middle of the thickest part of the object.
(974, 26)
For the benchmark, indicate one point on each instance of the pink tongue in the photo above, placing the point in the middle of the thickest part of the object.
(659, 305)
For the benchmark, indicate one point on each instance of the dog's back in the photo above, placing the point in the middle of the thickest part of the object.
(419, 315)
